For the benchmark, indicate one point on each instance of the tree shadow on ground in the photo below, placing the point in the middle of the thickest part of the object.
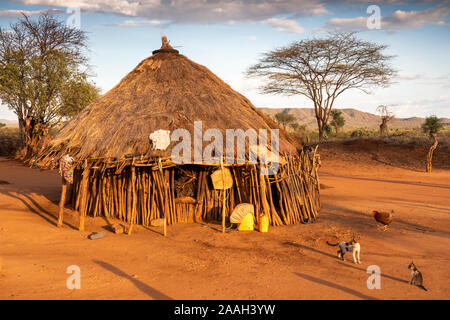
(395, 165)
(151, 292)
(365, 271)
(412, 183)
(301, 246)
(35, 207)
(335, 286)
(361, 219)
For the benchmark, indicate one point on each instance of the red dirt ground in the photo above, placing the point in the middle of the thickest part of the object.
(197, 262)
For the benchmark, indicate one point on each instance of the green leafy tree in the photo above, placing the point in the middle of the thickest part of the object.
(338, 120)
(323, 69)
(297, 127)
(40, 60)
(284, 118)
(77, 94)
(431, 127)
(327, 130)
(2, 125)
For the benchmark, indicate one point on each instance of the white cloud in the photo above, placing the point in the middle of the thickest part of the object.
(397, 20)
(122, 7)
(424, 107)
(139, 23)
(17, 13)
(410, 76)
(414, 19)
(285, 25)
(425, 79)
(194, 11)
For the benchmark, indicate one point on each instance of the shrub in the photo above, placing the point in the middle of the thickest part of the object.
(9, 141)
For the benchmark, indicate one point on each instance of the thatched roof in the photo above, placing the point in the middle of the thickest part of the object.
(165, 91)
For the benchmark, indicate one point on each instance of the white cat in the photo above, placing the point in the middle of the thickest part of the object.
(352, 246)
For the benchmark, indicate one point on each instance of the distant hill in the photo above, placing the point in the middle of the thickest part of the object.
(353, 118)
(9, 123)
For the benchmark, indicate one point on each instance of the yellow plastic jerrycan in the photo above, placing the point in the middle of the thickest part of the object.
(246, 223)
(263, 225)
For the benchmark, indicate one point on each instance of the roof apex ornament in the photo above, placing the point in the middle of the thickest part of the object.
(165, 47)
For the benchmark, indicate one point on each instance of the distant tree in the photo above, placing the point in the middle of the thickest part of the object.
(322, 69)
(40, 60)
(2, 125)
(386, 116)
(431, 127)
(338, 120)
(327, 130)
(297, 127)
(284, 118)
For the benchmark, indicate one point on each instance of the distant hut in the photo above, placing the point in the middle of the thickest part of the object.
(119, 172)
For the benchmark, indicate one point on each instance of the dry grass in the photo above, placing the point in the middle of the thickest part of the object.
(393, 151)
(165, 91)
(397, 136)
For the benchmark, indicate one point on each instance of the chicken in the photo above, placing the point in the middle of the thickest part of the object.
(385, 218)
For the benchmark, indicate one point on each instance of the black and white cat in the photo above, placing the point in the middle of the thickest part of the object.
(416, 276)
(352, 246)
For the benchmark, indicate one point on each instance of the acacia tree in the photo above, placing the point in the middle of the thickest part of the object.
(284, 118)
(386, 116)
(338, 120)
(323, 69)
(40, 61)
(431, 127)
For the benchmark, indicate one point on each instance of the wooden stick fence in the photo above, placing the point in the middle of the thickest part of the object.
(140, 194)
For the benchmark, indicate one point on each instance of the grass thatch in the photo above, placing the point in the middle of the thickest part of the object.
(165, 91)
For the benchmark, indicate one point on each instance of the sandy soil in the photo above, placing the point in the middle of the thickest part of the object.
(197, 262)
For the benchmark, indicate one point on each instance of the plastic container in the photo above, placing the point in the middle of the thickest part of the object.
(263, 225)
(247, 223)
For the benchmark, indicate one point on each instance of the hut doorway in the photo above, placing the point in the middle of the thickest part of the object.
(185, 186)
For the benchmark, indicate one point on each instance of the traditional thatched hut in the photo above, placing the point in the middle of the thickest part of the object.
(119, 172)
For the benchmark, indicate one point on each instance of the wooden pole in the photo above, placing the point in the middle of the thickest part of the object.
(223, 198)
(62, 201)
(83, 202)
(134, 199)
(263, 195)
(166, 206)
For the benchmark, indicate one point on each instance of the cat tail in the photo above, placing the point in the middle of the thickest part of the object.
(333, 245)
(423, 288)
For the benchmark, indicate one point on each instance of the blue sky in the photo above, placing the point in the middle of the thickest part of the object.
(228, 36)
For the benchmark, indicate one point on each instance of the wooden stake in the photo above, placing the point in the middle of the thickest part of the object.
(223, 198)
(83, 202)
(166, 205)
(134, 199)
(62, 201)
(262, 189)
